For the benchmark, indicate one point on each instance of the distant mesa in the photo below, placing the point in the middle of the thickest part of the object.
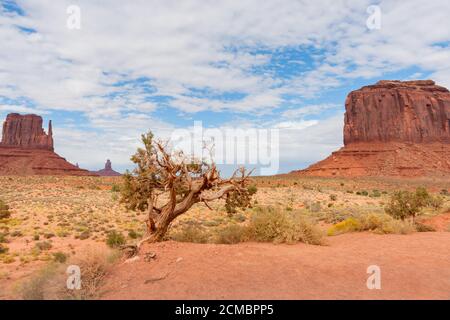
(393, 128)
(107, 171)
(25, 149)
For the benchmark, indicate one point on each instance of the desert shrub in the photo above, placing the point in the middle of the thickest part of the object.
(115, 188)
(444, 192)
(420, 227)
(191, 233)
(271, 225)
(252, 189)
(314, 206)
(239, 217)
(34, 288)
(3, 249)
(133, 234)
(436, 202)
(50, 281)
(44, 245)
(84, 235)
(115, 239)
(333, 197)
(16, 233)
(375, 194)
(348, 225)
(378, 223)
(59, 256)
(4, 210)
(406, 204)
(3, 238)
(231, 234)
(94, 266)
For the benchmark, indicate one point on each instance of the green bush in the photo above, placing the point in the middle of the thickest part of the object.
(252, 189)
(133, 234)
(406, 204)
(4, 210)
(115, 239)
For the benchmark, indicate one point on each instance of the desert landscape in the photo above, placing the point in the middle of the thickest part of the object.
(309, 234)
(55, 220)
(264, 151)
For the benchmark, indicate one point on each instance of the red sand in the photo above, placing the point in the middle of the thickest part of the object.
(415, 266)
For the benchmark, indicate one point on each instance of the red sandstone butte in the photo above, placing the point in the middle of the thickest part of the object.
(393, 128)
(25, 149)
(107, 171)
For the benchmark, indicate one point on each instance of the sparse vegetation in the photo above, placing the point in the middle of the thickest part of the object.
(56, 210)
(115, 239)
(271, 225)
(4, 210)
(406, 204)
(378, 223)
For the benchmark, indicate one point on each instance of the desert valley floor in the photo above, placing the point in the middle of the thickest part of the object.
(57, 221)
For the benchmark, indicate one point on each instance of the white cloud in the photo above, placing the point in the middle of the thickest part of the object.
(196, 44)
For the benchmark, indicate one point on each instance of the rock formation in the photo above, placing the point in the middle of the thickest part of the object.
(393, 128)
(25, 149)
(107, 171)
(26, 132)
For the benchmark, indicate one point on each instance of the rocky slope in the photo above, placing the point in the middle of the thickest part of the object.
(393, 128)
(26, 149)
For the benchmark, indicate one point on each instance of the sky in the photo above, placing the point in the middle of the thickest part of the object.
(161, 65)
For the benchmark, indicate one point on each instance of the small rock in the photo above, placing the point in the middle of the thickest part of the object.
(179, 259)
(149, 256)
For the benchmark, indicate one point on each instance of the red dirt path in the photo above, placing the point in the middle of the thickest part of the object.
(415, 266)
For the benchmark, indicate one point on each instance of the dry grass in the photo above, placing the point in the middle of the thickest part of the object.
(50, 281)
(378, 223)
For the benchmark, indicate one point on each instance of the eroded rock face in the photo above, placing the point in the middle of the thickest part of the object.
(25, 131)
(393, 128)
(26, 149)
(396, 111)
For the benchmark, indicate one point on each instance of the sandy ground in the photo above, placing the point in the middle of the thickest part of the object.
(415, 266)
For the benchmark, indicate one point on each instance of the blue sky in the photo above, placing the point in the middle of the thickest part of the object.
(161, 65)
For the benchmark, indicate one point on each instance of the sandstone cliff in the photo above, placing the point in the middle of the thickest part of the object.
(25, 131)
(409, 111)
(26, 149)
(393, 128)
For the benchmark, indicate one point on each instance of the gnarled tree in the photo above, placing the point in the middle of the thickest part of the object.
(167, 184)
